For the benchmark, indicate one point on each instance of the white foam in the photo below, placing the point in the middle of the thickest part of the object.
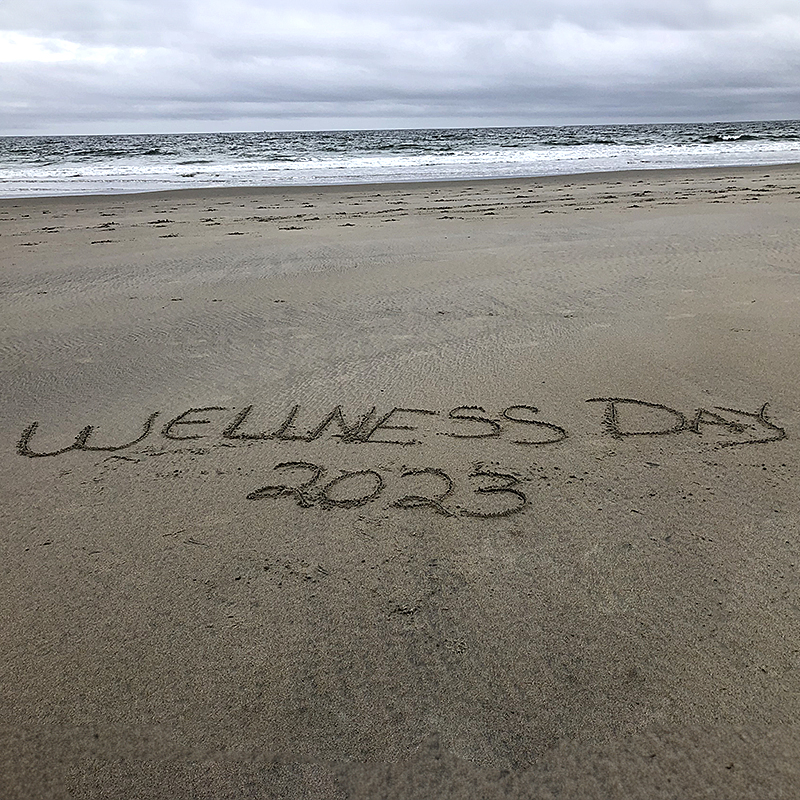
(151, 173)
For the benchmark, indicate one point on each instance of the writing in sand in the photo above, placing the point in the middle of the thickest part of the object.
(488, 492)
(518, 425)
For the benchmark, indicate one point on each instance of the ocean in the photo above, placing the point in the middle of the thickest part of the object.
(59, 165)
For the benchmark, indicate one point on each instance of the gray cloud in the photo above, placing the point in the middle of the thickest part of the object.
(131, 65)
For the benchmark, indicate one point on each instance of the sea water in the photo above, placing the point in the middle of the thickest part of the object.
(54, 165)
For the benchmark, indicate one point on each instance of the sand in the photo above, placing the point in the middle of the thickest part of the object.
(479, 489)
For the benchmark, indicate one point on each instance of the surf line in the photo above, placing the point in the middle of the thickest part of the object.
(466, 422)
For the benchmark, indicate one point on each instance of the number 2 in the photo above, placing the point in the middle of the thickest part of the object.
(299, 492)
(418, 500)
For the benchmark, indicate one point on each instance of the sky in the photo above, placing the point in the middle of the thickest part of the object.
(152, 66)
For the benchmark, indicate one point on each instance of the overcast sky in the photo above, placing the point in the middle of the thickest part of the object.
(129, 66)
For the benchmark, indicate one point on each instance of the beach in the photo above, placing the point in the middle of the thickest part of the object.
(468, 489)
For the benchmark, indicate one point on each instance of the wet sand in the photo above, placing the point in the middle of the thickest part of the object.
(476, 489)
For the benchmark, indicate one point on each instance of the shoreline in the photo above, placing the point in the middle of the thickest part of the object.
(61, 233)
(561, 177)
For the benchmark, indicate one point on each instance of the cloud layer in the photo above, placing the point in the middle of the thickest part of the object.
(142, 65)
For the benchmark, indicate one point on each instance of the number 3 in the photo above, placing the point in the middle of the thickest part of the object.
(505, 487)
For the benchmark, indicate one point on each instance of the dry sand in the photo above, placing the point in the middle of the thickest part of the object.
(515, 587)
